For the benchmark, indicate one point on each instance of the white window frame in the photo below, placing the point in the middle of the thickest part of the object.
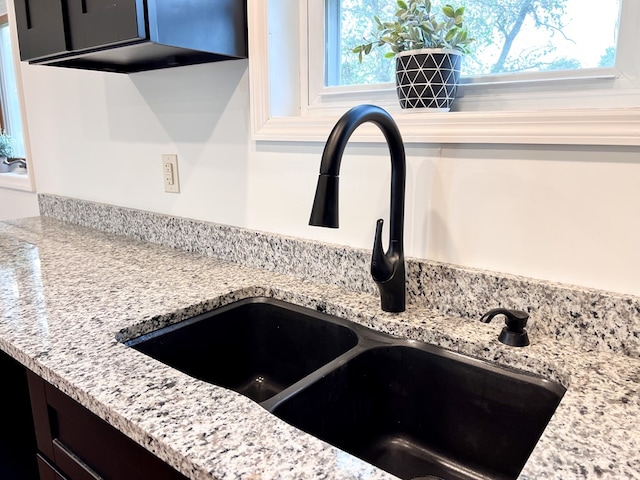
(283, 110)
(24, 182)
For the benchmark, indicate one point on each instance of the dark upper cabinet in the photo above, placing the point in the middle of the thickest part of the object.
(41, 28)
(96, 23)
(128, 36)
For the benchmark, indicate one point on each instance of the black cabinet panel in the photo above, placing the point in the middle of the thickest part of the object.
(219, 25)
(41, 28)
(17, 438)
(100, 23)
(128, 36)
(48, 471)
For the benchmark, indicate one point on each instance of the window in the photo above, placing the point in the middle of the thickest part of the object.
(511, 36)
(493, 83)
(291, 101)
(11, 113)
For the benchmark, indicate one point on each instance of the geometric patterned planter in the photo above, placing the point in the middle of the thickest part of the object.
(427, 78)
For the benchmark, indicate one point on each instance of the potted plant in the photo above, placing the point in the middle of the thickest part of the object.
(6, 150)
(428, 49)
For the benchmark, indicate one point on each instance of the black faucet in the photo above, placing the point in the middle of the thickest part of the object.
(387, 269)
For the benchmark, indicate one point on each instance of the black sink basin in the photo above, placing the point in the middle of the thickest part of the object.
(256, 346)
(415, 410)
(427, 412)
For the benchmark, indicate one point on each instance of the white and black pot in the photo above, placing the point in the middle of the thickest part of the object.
(427, 78)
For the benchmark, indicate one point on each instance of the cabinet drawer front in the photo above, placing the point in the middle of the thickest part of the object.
(102, 23)
(41, 28)
(48, 471)
(71, 464)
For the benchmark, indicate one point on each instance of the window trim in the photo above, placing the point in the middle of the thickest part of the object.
(619, 125)
(23, 182)
(4, 19)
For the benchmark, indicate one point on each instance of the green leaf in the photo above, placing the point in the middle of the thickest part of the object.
(415, 26)
(427, 27)
(389, 55)
(449, 11)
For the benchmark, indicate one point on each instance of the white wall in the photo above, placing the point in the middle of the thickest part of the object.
(100, 136)
(17, 204)
(556, 213)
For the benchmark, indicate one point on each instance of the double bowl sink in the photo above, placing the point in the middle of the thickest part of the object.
(412, 409)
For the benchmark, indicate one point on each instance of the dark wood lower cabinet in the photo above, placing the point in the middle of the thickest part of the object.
(78, 445)
(48, 471)
(50, 436)
(17, 437)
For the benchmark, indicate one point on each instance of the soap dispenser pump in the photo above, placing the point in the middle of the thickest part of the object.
(513, 333)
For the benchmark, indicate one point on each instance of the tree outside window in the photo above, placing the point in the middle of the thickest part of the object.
(511, 37)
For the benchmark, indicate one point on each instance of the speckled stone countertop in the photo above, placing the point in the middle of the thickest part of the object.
(67, 292)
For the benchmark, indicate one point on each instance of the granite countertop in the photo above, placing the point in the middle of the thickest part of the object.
(68, 293)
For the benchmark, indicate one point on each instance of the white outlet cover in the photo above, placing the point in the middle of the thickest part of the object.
(170, 173)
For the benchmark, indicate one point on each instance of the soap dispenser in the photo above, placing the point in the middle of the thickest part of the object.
(513, 333)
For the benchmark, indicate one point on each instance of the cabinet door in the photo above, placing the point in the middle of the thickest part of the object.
(17, 437)
(41, 28)
(100, 23)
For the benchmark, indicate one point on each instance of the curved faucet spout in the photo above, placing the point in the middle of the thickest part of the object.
(387, 269)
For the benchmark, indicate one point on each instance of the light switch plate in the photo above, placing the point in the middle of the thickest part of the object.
(170, 173)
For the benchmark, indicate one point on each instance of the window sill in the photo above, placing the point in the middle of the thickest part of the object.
(16, 181)
(564, 127)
